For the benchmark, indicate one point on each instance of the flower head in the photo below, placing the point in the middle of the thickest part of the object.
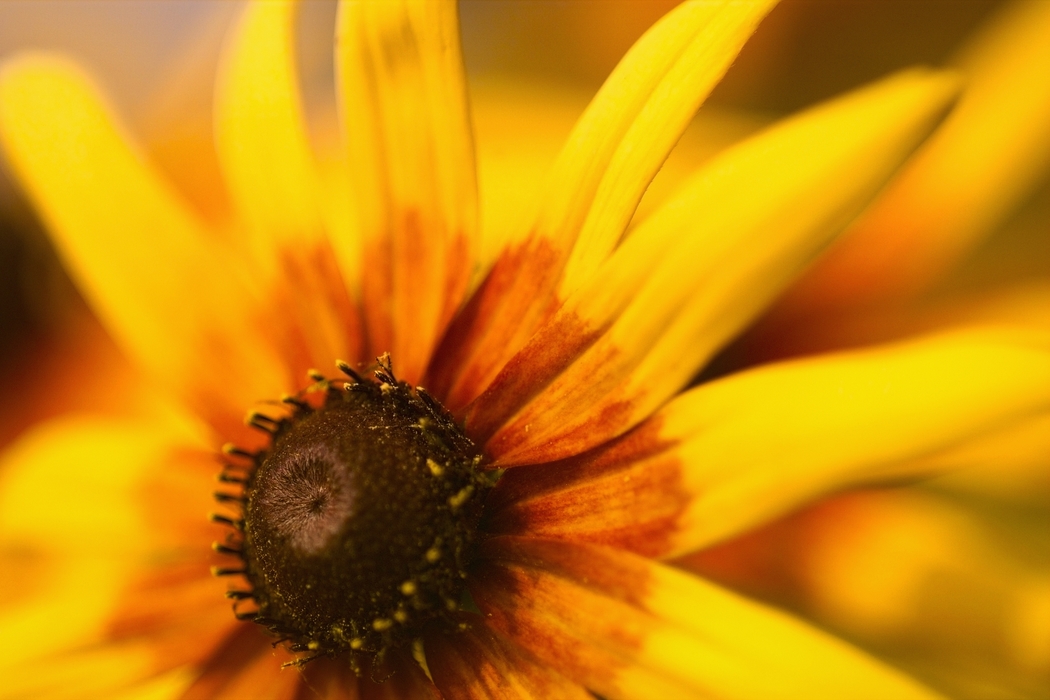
(483, 510)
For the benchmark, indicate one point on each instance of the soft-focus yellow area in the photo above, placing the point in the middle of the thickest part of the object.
(69, 606)
(164, 687)
(989, 155)
(164, 287)
(633, 122)
(68, 502)
(906, 572)
(70, 485)
(841, 420)
(757, 651)
(1013, 463)
(261, 134)
(688, 278)
(94, 672)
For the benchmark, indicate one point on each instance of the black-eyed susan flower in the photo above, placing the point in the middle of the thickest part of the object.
(483, 510)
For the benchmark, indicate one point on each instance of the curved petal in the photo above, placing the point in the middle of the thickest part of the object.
(616, 622)
(734, 453)
(990, 154)
(266, 158)
(703, 266)
(612, 155)
(476, 664)
(161, 282)
(403, 101)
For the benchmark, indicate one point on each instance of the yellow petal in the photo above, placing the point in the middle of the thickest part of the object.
(70, 486)
(261, 133)
(635, 119)
(161, 282)
(644, 618)
(989, 155)
(703, 266)
(831, 422)
(403, 100)
(69, 608)
(92, 672)
(730, 455)
(613, 153)
(275, 183)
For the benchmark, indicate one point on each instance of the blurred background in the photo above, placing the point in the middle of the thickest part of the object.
(950, 579)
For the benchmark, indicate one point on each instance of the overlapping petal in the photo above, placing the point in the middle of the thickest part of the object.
(268, 163)
(729, 455)
(404, 106)
(162, 283)
(698, 270)
(612, 155)
(632, 628)
(990, 154)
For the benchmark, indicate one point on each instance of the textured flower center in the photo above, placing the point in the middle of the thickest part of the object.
(359, 519)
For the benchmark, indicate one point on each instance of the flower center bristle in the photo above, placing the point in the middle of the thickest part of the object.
(358, 519)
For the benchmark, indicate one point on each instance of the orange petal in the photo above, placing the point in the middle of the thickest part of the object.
(476, 664)
(404, 106)
(734, 453)
(628, 627)
(246, 666)
(612, 155)
(698, 270)
(275, 183)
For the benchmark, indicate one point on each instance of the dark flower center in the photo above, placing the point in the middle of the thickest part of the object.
(359, 519)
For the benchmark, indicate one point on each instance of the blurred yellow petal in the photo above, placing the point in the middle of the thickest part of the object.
(613, 153)
(404, 105)
(94, 672)
(160, 281)
(70, 607)
(904, 570)
(1012, 463)
(703, 266)
(988, 156)
(261, 133)
(165, 687)
(70, 485)
(638, 616)
(268, 163)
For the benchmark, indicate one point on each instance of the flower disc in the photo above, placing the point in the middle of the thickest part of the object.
(360, 518)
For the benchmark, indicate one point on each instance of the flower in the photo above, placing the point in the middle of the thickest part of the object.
(565, 361)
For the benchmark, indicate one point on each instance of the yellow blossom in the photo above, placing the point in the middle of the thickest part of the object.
(564, 354)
